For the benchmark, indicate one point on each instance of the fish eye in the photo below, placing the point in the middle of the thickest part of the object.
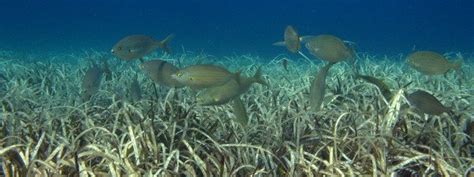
(191, 78)
(129, 51)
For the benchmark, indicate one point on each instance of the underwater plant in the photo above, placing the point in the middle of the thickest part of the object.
(47, 130)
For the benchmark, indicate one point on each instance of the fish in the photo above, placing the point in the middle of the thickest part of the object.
(330, 48)
(202, 76)
(160, 72)
(432, 63)
(135, 90)
(240, 112)
(219, 95)
(292, 39)
(136, 46)
(91, 82)
(384, 89)
(246, 82)
(222, 94)
(318, 88)
(427, 103)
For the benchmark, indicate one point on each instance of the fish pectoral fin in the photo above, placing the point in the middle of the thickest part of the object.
(132, 50)
(305, 39)
(164, 44)
(350, 43)
(279, 43)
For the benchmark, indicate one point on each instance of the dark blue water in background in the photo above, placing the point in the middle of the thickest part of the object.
(227, 27)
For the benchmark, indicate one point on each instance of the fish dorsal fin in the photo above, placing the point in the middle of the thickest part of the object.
(164, 43)
(168, 39)
(258, 77)
(456, 64)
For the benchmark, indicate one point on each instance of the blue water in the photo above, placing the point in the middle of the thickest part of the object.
(227, 27)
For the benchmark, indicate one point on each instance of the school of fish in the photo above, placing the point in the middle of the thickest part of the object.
(216, 85)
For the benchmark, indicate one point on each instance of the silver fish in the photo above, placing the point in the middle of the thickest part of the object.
(222, 94)
(91, 82)
(160, 72)
(329, 48)
(384, 88)
(432, 63)
(292, 39)
(137, 46)
(219, 95)
(318, 88)
(427, 103)
(202, 76)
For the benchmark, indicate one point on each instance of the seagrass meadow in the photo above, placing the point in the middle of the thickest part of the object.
(47, 130)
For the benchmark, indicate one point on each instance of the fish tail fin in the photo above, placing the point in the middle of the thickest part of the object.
(258, 77)
(457, 64)
(164, 43)
(457, 67)
(237, 76)
(456, 117)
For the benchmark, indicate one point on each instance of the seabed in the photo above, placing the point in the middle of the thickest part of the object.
(47, 130)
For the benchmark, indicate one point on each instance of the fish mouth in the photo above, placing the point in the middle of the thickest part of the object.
(112, 51)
